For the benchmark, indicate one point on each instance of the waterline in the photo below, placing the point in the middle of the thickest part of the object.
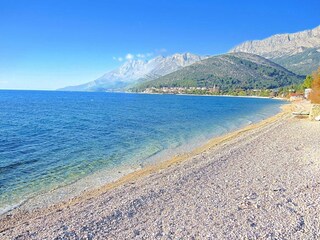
(66, 143)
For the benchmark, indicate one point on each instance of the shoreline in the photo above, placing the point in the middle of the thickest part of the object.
(205, 95)
(138, 173)
(257, 182)
(67, 193)
(158, 166)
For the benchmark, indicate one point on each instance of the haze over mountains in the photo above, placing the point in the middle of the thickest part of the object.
(134, 71)
(297, 52)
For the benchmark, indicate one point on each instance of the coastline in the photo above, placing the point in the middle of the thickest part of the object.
(158, 166)
(257, 182)
(67, 193)
(206, 95)
(135, 174)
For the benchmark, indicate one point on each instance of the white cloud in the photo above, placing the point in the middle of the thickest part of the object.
(120, 59)
(141, 55)
(129, 56)
(144, 55)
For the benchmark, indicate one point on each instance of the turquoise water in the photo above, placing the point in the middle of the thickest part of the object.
(52, 139)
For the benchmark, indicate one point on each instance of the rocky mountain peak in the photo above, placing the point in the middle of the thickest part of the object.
(280, 45)
(299, 52)
(138, 70)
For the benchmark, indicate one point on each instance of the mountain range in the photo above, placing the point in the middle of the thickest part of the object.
(298, 52)
(289, 56)
(134, 71)
(228, 71)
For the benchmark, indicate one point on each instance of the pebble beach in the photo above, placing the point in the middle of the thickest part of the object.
(261, 182)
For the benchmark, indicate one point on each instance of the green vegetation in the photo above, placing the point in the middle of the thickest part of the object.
(237, 74)
(301, 63)
(297, 89)
(307, 82)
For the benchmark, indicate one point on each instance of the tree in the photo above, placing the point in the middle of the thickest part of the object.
(307, 82)
(315, 93)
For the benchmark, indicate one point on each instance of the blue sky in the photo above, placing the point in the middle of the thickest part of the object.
(54, 43)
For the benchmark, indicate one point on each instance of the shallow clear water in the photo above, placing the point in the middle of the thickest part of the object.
(51, 139)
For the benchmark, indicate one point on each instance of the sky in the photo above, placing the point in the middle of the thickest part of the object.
(45, 45)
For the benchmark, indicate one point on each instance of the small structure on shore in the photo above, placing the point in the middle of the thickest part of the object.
(295, 97)
(315, 112)
(307, 92)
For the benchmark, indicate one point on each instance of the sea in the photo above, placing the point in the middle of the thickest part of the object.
(59, 144)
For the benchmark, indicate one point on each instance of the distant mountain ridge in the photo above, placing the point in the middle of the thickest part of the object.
(299, 52)
(228, 72)
(133, 71)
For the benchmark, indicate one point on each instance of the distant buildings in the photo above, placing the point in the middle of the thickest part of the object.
(296, 97)
(183, 90)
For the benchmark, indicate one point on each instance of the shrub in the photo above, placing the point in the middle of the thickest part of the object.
(315, 94)
(307, 82)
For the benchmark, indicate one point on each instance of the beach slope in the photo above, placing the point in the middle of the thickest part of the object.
(260, 182)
